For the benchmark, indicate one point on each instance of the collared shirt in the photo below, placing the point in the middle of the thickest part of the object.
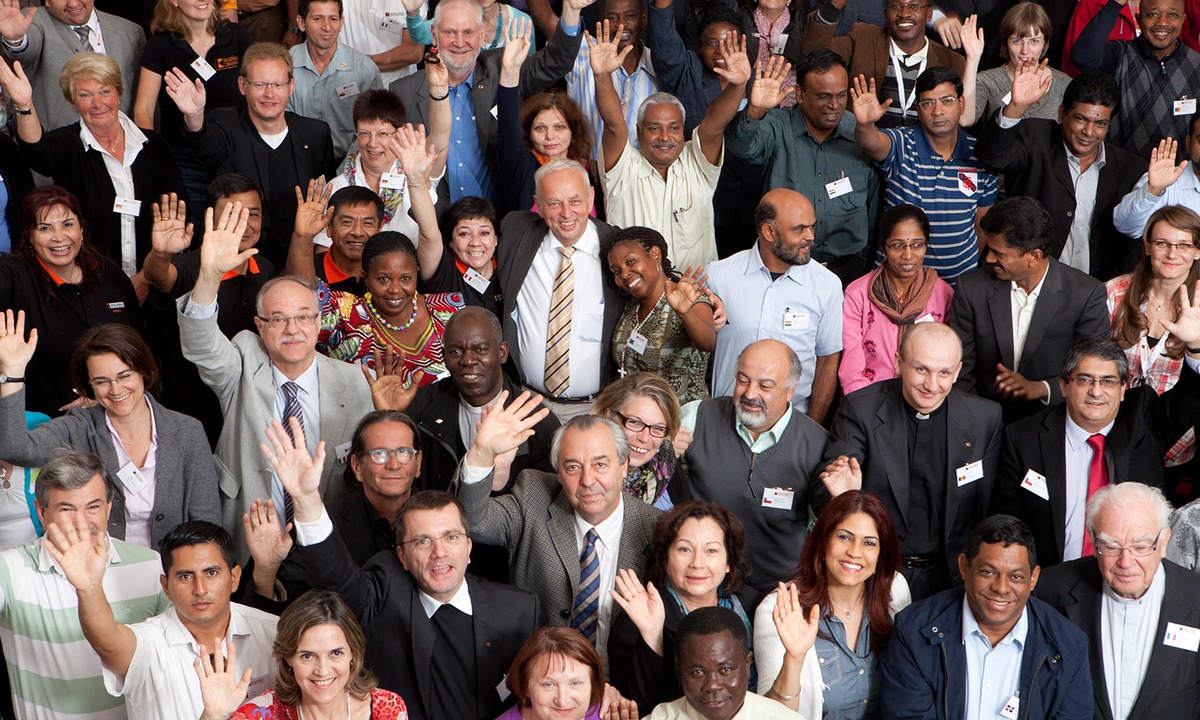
(765, 440)
(803, 309)
(468, 422)
(632, 88)
(680, 206)
(608, 548)
(95, 36)
(309, 396)
(1023, 305)
(1128, 633)
(1077, 252)
(1135, 209)
(902, 89)
(461, 601)
(755, 707)
(375, 26)
(587, 313)
(993, 672)
(330, 95)
(1078, 465)
(139, 506)
(467, 169)
(121, 174)
(161, 681)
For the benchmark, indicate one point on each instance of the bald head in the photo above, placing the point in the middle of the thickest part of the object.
(767, 373)
(931, 332)
(928, 362)
(786, 224)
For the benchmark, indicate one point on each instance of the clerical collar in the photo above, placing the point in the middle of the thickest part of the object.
(913, 412)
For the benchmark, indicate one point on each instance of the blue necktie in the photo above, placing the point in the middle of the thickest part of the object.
(585, 615)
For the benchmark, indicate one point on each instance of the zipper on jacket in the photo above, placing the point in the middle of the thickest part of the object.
(1023, 713)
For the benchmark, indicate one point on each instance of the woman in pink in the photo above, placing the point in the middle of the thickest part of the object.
(879, 306)
(558, 674)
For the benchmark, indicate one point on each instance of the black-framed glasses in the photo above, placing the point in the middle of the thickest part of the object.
(380, 456)
(1141, 549)
(636, 425)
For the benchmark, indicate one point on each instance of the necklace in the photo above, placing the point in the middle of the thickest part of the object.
(145, 435)
(848, 613)
(637, 330)
(300, 708)
(385, 323)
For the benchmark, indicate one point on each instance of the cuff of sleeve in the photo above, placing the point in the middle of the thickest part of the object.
(472, 475)
(570, 30)
(937, 15)
(18, 46)
(1192, 362)
(1006, 122)
(828, 15)
(311, 533)
(1046, 400)
(194, 310)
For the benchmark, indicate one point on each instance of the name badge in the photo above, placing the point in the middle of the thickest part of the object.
(838, 187)
(127, 206)
(261, 684)
(392, 24)
(343, 453)
(927, 317)
(350, 89)
(968, 182)
(969, 473)
(637, 342)
(1036, 484)
(1182, 637)
(114, 306)
(132, 479)
(502, 689)
(476, 280)
(795, 320)
(780, 498)
(1011, 708)
(1186, 106)
(777, 48)
(203, 69)
(393, 181)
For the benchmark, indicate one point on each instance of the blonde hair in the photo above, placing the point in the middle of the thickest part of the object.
(89, 66)
(169, 20)
(267, 51)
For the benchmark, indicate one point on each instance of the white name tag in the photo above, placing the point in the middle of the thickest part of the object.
(969, 473)
(637, 342)
(127, 206)
(780, 498)
(777, 48)
(502, 689)
(838, 187)
(927, 317)
(1186, 106)
(350, 89)
(476, 280)
(261, 684)
(343, 453)
(203, 69)
(1011, 708)
(116, 305)
(393, 181)
(132, 479)
(795, 321)
(1036, 484)
(1182, 637)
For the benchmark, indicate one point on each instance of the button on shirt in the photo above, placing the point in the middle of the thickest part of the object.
(1078, 464)
(1128, 632)
(467, 169)
(121, 174)
(607, 550)
(330, 95)
(1077, 252)
(993, 673)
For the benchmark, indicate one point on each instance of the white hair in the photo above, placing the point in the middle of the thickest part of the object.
(554, 166)
(1128, 497)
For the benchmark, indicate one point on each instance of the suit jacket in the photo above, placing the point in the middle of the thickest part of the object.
(1033, 159)
(870, 426)
(400, 636)
(1171, 688)
(537, 524)
(523, 233)
(239, 372)
(1146, 426)
(52, 43)
(1071, 306)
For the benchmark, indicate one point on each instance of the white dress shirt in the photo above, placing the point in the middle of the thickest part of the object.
(1078, 465)
(461, 601)
(121, 173)
(1128, 630)
(608, 547)
(309, 396)
(139, 506)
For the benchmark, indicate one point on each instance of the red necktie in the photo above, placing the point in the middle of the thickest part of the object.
(1097, 478)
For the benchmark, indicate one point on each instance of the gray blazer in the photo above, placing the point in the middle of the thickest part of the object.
(52, 43)
(537, 524)
(239, 372)
(185, 477)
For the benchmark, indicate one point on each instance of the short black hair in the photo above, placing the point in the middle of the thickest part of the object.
(1023, 222)
(386, 243)
(196, 532)
(229, 184)
(469, 208)
(355, 195)
(719, 13)
(1101, 348)
(819, 61)
(711, 621)
(1004, 529)
(302, 9)
(1093, 88)
(937, 75)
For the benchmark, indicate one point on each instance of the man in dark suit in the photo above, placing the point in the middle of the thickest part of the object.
(474, 80)
(1138, 608)
(1079, 191)
(1050, 305)
(529, 262)
(440, 639)
(1047, 461)
(928, 450)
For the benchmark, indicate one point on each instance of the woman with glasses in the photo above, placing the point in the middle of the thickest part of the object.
(645, 405)
(878, 307)
(159, 460)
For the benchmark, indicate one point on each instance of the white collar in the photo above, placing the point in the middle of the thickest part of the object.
(609, 529)
(134, 137)
(895, 51)
(307, 380)
(1037, 289)
(46, 561)
(461, 600)
(1077, 437)
(588, 243)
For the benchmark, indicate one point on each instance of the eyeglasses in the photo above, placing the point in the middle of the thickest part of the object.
(1108, 382)
(364, 136)
(1141, 549)
(279, 321)
(899, 246)
(943, 101)
(260, 86)
(122, 378)
(1164, 246)
(451, 540)
(1029, 42)
(380, 456)
(636, 425)
(910, 6)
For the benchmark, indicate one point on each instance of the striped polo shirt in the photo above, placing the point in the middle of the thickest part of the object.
(55, 674)
(949, 191)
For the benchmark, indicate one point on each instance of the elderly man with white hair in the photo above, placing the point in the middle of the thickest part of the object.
(1138, 607)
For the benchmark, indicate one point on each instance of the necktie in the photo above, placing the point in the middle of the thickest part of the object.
(291, 409)
(585, 615)
(1097, 478)
(85, 36)
(558, 331)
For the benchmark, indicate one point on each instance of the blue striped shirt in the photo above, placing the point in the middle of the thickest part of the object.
(632, 89)
(949, 191)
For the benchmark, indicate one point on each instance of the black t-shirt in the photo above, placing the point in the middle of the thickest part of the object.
(449, 278)
(165, 51)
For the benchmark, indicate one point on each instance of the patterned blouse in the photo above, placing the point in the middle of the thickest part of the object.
(385, 705)
(351, 330)
(669, 351)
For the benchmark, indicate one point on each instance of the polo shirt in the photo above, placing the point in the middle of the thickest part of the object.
(949, 191)
(802, 309)
(680, 206)
(333, 276)
(330, 96)
(53, 670)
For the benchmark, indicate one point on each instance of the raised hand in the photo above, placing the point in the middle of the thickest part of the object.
(517, 37)
(644, 607)
(438, 77)
(412, 7)
(298, 472)
(269, 544)
(312, 209)
(222, 237)
(221, 691)
(605, 56)
(950, 30)
(190, 97)
(1163, 171)
(767, 91)
(503, 428)
(15, 83)
(797, 631)
(15, 22)
(687, 291)
(15, 350)
(842, 475)
(171, 232)
(1187, 327)
(80, 550)
(865, 103)
(1030, 83)
(622, 709)
(571, 10)
(388, 389)
(415, 153)
(737, 70)
(972, 38)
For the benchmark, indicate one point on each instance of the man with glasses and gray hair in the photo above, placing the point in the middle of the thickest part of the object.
(1102, 435)
(1144, 656)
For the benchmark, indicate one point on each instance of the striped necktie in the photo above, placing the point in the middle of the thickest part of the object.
(85, 37)
(558, 331)
(585, 615)
(291, 409)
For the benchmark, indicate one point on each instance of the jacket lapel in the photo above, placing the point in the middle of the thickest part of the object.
(562, 534)
(1000, 307)
(1160, 671)
(486, 653)
(1048, 304)
(893, 451)
(1052, 441)
(1084, 613)
(422, 646)
(333, 410)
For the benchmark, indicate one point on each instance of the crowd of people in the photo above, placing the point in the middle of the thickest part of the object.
(604, 359)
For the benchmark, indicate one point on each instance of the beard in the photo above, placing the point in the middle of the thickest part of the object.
(792, 255)
(751, 412)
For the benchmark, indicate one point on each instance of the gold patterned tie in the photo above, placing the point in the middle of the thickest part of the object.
(558, 332)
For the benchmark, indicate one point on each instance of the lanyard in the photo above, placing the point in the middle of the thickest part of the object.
(906, 103)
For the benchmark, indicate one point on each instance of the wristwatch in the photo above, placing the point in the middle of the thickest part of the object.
(296, 31)
(6, 379)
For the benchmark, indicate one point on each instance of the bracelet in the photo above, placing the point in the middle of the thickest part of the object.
(436, 98)
(1194, 350)
(14, 44)
(23, 113)
(781, 696)
(418, 187)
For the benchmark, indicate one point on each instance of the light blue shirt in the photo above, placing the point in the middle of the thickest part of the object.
(466, 170)
(764, 442)
(330, 96)
(808, 297)
(993, 673)
(1131, 214)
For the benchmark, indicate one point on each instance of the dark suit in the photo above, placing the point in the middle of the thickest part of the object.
(1171, 688)
(1033, 159)
(1071, 306)
(870, 426)
(399, 634)
(1145, 428)
(523, 233)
